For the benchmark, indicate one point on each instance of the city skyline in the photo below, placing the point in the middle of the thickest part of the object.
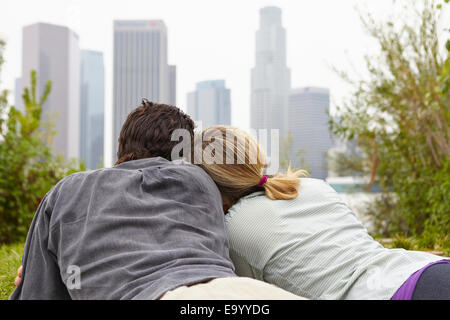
(208, 46)
(141, 70)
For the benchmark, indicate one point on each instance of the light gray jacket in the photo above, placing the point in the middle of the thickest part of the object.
(133, 231)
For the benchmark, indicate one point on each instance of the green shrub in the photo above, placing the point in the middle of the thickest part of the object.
(399, 117)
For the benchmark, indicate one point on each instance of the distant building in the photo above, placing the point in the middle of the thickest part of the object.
(210, 103)
(18, 91)
(54, 53)
(140, 69)
(92, 108)
(172, 86)
(308, 124)
(270, 80)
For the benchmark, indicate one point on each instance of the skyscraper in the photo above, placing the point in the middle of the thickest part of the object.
(54, 53)
(270, 80)
(140, 68)
(210, 103)
(308, 124)
(92, 108)
(18, 91)
(172, 85)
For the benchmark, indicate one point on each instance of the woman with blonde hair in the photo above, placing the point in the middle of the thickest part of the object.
(296, 233)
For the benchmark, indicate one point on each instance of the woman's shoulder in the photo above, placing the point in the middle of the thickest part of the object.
(312, 185)
(312, 194)
(253, 203)
(308, 188)
(254, 228)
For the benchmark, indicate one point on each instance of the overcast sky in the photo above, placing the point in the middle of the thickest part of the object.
(207, 39)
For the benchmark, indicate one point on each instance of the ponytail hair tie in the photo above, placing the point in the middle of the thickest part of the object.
(262, 181)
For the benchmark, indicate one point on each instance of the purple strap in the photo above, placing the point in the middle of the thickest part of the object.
(405, 292)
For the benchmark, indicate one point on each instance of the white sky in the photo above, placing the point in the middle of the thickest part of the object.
(208, 39)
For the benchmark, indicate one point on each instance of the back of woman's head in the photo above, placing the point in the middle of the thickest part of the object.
(236, 163)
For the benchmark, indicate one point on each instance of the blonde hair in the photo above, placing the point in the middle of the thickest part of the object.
(243, 175)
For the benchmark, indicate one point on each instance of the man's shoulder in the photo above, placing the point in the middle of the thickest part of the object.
(189, 176)
(81, 175)
(189, 168)
(76, 178)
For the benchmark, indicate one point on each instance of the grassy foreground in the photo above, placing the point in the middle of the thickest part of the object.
(439, 246)
(10, 258)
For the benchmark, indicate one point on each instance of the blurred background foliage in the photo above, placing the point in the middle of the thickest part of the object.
(399, 118)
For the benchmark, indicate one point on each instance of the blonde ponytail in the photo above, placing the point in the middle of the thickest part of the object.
(243, 176)
(284, 186)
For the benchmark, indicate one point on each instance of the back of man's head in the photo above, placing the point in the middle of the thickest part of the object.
(147, 131)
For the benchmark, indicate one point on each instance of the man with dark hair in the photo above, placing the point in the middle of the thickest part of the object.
(148, 228)
(146, 132)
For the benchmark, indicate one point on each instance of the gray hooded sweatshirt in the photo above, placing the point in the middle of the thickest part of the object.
(133, 231)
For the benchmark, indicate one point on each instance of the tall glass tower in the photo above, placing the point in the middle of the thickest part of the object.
(92, 108)
(140, 68)
(270, 79)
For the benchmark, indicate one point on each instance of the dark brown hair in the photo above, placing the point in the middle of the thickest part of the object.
(148, 129)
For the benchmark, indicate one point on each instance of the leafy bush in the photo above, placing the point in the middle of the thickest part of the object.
(399, 117)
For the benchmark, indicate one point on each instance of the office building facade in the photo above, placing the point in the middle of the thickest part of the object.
(92, 108)
(53, 52)
(210, 103)
(308, 125)
(140, 69)
(270, 77)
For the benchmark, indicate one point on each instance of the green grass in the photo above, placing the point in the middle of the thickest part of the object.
(10, 258)
(438, 245)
